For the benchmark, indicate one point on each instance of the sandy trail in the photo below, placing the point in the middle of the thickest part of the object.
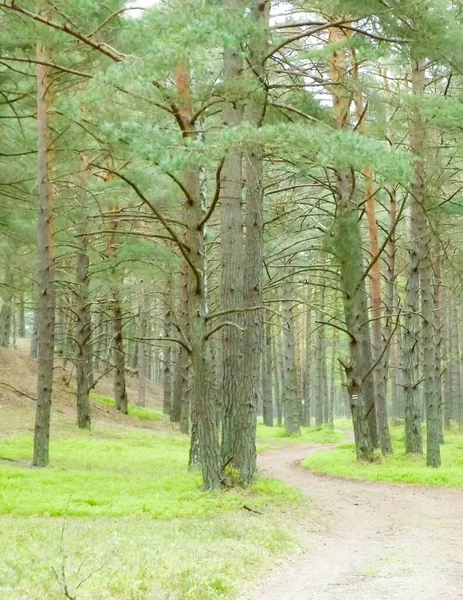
(375, 542)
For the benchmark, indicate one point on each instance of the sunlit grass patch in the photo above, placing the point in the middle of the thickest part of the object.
(131, 514)
(145, 414)
(116, 473)
(399, 467)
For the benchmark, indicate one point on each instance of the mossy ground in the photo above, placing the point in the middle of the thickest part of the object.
(399, 467)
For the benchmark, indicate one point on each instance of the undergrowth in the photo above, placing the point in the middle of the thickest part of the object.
(399, 467)
(135, 520)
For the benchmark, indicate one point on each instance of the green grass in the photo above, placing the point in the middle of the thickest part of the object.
(144, 414)
(116, 474)
(398, 468)
(271, 437)
(133, 513)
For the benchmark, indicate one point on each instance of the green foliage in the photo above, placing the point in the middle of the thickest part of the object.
(117, 473)
(131, 514)
(206, 558)
(399, 467)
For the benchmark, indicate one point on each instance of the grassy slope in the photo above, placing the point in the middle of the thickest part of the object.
(397, 468)
(133, 513)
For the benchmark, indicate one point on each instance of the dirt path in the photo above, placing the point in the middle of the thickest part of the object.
(375, 541)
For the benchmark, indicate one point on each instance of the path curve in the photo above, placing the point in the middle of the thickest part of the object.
(374, 541)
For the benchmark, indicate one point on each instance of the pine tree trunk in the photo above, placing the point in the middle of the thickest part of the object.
(168, 407)
(181, 391)
(117, 340)
(277, 379)
(205, 444)
(46, 262)
(308, 366)
(380, 372)
(34, 338)
(267, 378)
(83, 325)
(446, 360)
(320, 353)
(438, 327)
(454, 362)
(349, 253)
(290, 403)
(231, 235)
(142, 355)
(253, 266)
(7, 306)
(21, 316)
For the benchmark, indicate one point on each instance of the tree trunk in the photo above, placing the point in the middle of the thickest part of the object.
(320, 353)
(181, 389)
(142, 355)
(308, 367)
(349, 253)
(267, 378)
(277, 379)
(167, 407)
(231, 235)
(120, 390)
(290, 403)
(46, 261)
(21, 316)
(253, 266)
(83, 325)
(7, 306)
(205, 444)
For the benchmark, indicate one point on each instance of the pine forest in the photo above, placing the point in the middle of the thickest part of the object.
(231, 262)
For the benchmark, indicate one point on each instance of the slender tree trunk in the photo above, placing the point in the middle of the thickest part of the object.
(277, 379)
(438, 326)
(142, 355)
(308, 366)
(7, 306)
(83, 325)
(34, 337)
(21, 316)
(454, 363)
(168, 407)
(46, 262)
(290, 403)
(267, 378)
(423, 234)
(117, 345)
(320, 353)
(332, 394)
(446, 360)
(180, 405)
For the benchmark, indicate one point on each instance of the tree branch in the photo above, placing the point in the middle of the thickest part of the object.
(218, 188)
(101, 47)
(224, 324)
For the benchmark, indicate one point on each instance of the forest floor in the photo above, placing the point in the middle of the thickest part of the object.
(373, 541)
(116, 515)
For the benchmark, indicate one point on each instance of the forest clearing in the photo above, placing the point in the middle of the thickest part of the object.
(231, 340)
